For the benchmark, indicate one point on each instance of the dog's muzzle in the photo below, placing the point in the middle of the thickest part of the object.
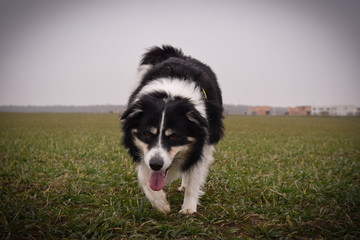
(156, 163)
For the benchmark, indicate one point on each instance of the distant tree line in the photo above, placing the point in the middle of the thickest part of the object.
(228, 109)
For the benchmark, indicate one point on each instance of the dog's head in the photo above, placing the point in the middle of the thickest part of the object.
(159, 131)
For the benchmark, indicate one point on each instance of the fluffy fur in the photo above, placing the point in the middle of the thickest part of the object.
(173, 118)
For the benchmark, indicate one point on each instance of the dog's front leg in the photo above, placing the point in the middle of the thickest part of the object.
(195, 179)
(157, 199)
(184, 183)
(191, 197)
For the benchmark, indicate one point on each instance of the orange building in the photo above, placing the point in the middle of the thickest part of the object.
(260, 110)
(299, 111)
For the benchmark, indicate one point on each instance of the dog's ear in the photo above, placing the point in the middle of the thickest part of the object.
(130, 118)
(195, 117)
(132, 112)
(136, 110)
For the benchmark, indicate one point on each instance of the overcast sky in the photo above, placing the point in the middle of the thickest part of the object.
(279, 53)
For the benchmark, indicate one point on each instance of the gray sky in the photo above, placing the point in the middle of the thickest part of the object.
(279, 53)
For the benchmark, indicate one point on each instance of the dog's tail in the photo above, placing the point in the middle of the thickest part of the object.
(157, 55)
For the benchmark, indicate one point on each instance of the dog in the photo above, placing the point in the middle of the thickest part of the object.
(173, 119)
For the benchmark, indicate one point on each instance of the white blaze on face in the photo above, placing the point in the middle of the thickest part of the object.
(158, 150)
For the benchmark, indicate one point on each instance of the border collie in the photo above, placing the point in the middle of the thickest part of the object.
(173, 118)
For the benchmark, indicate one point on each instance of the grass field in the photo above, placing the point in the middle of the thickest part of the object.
(64, 176)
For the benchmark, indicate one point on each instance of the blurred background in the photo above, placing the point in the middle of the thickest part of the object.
(276, 53)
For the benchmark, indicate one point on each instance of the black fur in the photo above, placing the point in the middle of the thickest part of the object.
(157, 55)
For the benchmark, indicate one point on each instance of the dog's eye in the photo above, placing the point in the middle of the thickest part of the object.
(148, 135)
(172, 137)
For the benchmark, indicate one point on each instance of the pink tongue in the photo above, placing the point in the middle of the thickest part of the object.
(157, 180)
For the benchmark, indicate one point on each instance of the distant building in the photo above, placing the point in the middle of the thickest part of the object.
(299, 111)
(260, 110)
(340, 110)
(230, 109)
(357, 111)
(278, 111)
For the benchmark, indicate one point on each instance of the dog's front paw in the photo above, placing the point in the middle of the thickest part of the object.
(181, 188)
(164, 208)
(187, 211)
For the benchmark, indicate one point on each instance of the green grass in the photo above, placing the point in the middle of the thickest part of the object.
(65, 176)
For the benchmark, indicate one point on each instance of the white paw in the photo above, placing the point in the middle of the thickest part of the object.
(164, 208)
(181, 188)
(187, 211)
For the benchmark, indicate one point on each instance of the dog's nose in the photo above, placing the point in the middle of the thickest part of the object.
(156, 163)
